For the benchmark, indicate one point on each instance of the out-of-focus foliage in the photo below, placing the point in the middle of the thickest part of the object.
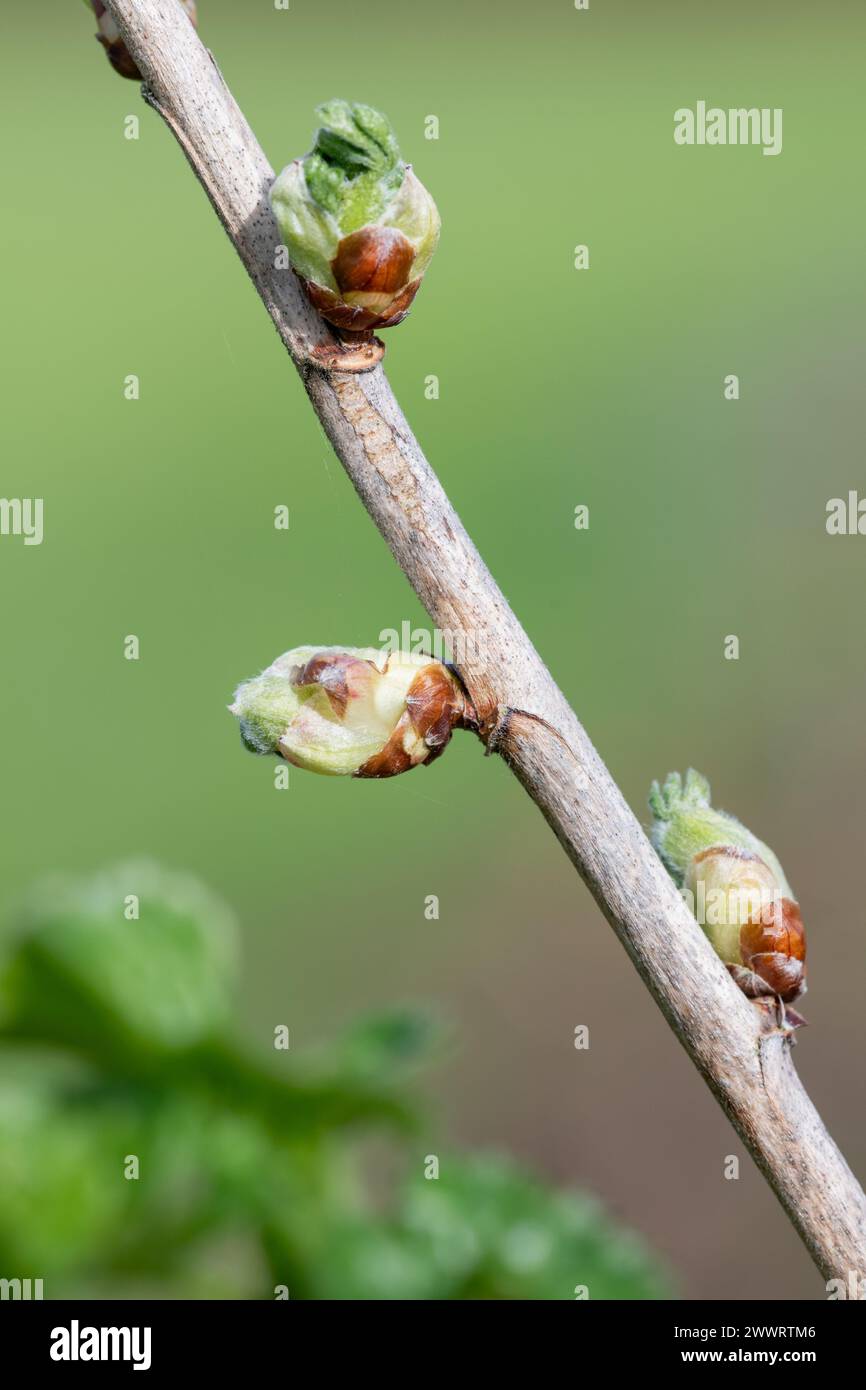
(118, 1049)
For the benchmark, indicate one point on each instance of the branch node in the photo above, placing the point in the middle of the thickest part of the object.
(503, 728)
(344, 356)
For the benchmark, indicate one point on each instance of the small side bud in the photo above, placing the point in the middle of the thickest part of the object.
(360, 228)
(119, 55)
(352, 711)
(736, 887)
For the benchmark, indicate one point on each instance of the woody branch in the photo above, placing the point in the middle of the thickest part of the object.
(523, 716)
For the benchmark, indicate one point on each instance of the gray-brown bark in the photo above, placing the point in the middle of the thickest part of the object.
(525, 718)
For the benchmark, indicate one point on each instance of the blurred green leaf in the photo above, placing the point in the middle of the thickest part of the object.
(383, 1047)
(132, 996)
(78, 973)
(484, 1230)
(496, 1232)
(241, 1159)
(58, 1204)
(291, 1097)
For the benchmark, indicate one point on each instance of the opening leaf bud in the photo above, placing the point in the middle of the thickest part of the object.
(360, 228)
(119, 55)
(352, 710)
(735, 886)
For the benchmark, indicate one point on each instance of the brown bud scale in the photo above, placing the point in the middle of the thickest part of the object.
(773, 947)
(374, 262)
(434, 707)
(120, 58)
(355, 317)
(339, 674)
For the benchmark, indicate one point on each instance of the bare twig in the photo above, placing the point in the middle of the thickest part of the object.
(522, 714)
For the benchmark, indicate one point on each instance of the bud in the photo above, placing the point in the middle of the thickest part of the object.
(738, 889)
(360, 228)
(119, 55)
(352, 710)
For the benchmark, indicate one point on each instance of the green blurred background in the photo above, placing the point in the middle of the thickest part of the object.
(557, 387)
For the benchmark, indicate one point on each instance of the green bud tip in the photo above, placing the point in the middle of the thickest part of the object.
(354, 165)
(686, 823)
